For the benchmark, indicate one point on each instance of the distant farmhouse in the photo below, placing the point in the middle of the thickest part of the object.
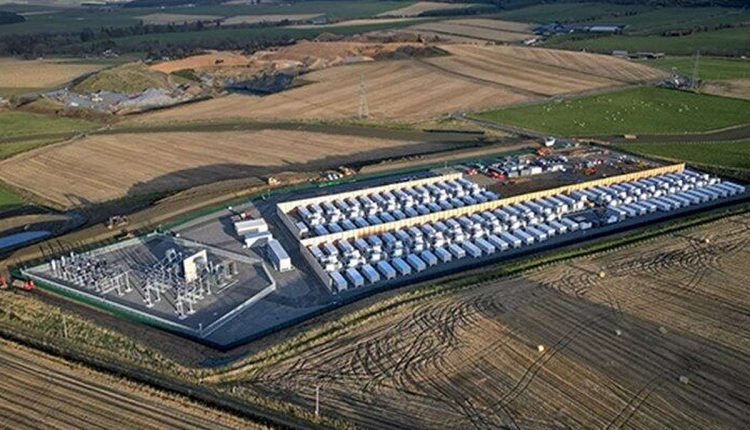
(640, 55)
(557, 28)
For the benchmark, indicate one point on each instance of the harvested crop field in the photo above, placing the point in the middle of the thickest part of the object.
(175, 18)
(105, 167)
(483, 30)
(659, 342)
(257, 19)
(473, 78)
(41, 74)
(738, 88)
(357, 22)
(40, 391)
(425, 6)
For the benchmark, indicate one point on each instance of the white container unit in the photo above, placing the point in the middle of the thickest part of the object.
(443, 254)
(386, 270)
(250, 226)
(370, 274)
(526, 238)
(486, 247)
(428, 257)
(471, 249)
(416, 263)
(401, 267)
(338, 282)
(258, 239)
(499, 244)
(456, 251)
(353, 276)
(512, 240)
(278, 256)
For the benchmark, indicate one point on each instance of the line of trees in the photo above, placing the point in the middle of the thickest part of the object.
(95, 41)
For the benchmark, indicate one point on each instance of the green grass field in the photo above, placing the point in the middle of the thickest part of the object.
(567, 12)
(640, 19)
(735, 155)
(710, 69)
(208, 38)
(18, 124)
(638, 111)
(58, 19)
(8, 198)
(727, 42)
(658, 20)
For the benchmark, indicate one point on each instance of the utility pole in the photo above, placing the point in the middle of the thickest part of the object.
(65, 326)
(696, 73)
(364, 110)
(317, 400)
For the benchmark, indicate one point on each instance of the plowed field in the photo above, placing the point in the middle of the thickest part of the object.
(105, 167)
(41, 392)
(659, 342)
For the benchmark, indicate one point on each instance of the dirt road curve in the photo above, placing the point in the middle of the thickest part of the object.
(41, 392)
(659, 341)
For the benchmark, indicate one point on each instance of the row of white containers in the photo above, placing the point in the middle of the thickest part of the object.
(544, 214)
(377, 208)
(392, 254)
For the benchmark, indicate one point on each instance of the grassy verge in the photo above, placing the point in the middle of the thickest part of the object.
(637, 111)
(726, 158)
(727, 154)
(710, 69)
(9, 199)
(49, 325)
(10, 149)
(20, 124)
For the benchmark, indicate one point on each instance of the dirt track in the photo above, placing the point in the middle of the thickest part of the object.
(659, 342)
(41, 392)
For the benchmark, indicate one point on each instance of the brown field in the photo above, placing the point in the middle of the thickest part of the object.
(543, 71)
(256, 19)
(203, 61)
(738, 88)
(356, 22)
(659, 342)
(396, 90)
(474, 78)
(43, 392)
(424, 6)
(482, 30)
(105, 167)
(41, 74)
(175, 18)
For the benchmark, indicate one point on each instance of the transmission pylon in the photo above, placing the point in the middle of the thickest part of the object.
(364, 110)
